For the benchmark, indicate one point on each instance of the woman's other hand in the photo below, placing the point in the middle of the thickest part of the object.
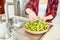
(47, 18)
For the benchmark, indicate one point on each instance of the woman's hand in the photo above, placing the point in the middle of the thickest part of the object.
(47, 17)
(32, 16)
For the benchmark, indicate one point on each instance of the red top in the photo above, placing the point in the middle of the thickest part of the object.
(51, 7)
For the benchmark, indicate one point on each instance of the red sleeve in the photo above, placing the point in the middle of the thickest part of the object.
(33, 5)
(52, 8)
(29, 5)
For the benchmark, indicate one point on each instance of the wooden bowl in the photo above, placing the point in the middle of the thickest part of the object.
(36, 32)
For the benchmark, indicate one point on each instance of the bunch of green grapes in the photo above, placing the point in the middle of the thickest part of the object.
(36, 25)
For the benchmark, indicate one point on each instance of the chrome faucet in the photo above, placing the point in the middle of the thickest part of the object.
(5, 31)
(7, 15)
(8, 34)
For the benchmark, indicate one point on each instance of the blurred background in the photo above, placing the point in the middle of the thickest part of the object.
(18, 7)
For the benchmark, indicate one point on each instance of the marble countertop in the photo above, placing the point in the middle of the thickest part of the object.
(53, 33)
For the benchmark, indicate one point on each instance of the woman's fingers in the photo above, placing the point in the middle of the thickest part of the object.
(31, 14)
(32, 17)
(44, 19)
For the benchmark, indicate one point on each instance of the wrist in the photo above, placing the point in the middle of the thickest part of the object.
(49, 17)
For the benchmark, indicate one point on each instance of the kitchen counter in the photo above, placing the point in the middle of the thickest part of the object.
(27, 36)
(20, 34)
(53, 33)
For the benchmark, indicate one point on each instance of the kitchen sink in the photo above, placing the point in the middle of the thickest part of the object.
(15, 21)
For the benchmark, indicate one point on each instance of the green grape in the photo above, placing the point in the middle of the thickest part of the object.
(45, 26)
(36, 25)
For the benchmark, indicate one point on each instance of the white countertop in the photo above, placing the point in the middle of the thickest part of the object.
(54, 33)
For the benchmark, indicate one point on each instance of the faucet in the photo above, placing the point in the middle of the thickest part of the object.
(5, 27)
(7, 15)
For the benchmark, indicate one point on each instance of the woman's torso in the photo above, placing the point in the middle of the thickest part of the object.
(42, 8)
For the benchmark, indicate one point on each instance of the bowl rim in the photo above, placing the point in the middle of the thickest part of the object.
(36, 32)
